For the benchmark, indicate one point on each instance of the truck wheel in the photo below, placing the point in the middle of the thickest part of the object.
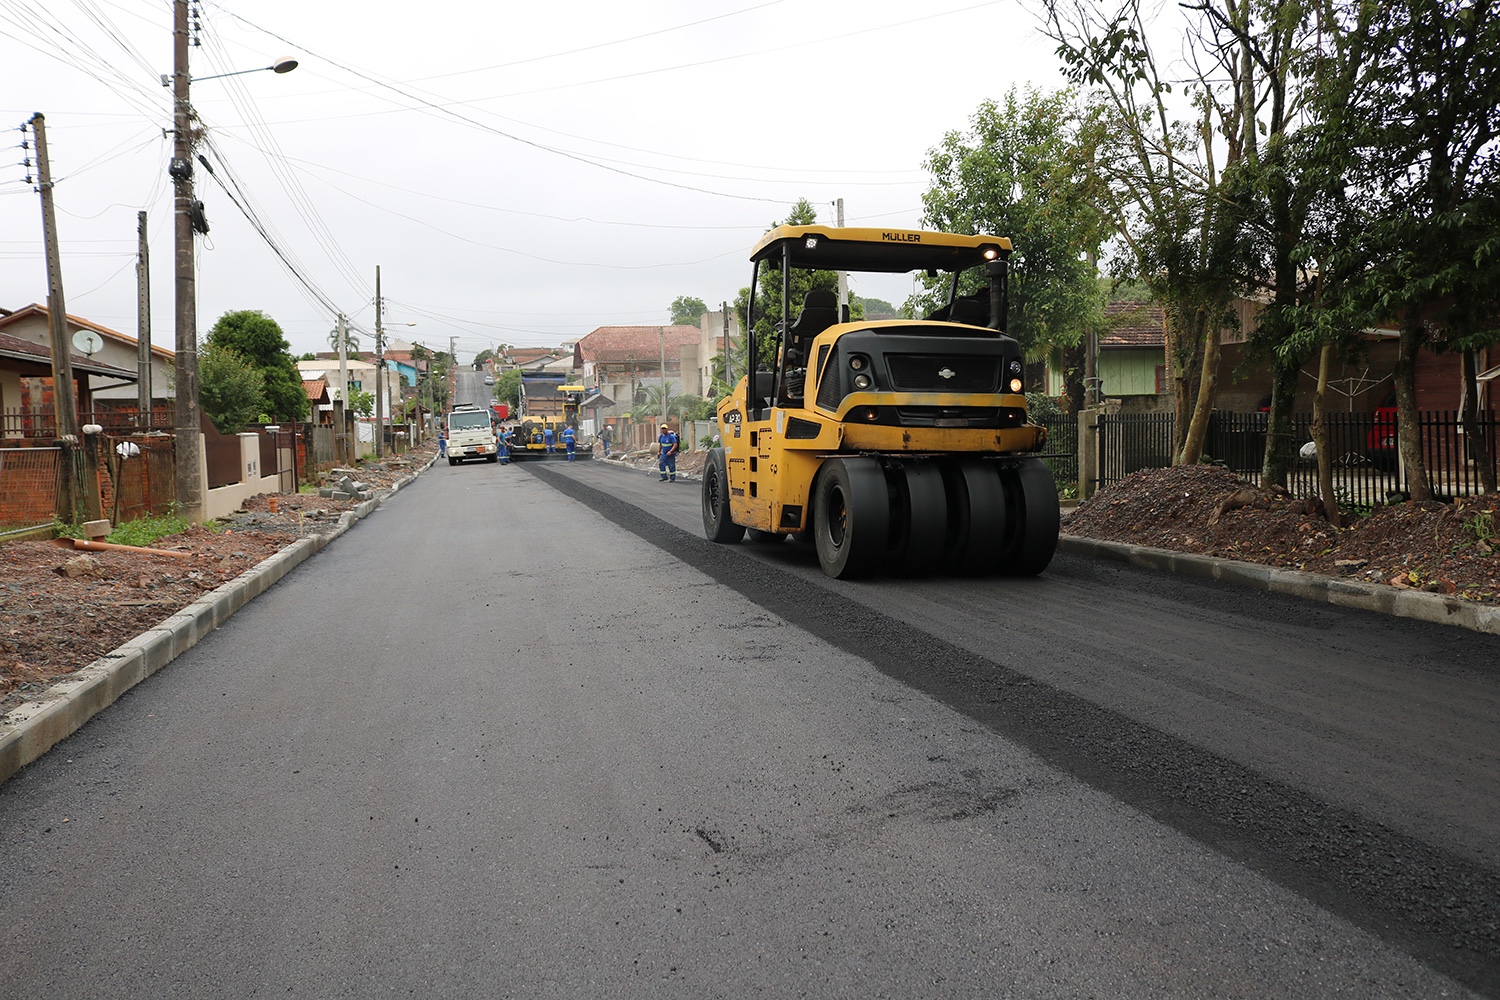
(452, 461)
(919, 518)
(976, 517)
(492, 458)
(852, 517)
(718, 526)
(1031, 500)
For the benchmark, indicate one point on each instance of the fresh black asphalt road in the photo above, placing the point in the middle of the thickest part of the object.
(524, 733)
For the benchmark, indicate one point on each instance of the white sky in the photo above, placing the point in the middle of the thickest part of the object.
(479, 232)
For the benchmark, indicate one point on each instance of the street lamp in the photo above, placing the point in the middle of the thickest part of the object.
(186, 210)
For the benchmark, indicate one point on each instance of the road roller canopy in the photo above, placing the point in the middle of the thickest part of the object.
(890, 251)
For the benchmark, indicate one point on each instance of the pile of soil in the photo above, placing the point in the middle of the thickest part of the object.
(1440, 547)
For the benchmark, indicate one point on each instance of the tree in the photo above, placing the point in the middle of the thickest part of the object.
(1021, 170)
(230, 388)
(768, 293)
(1422, 125)
(257, 339)
(1162, 188)
(508, 388)
(351, 342)
(687, 310)
(361, 402)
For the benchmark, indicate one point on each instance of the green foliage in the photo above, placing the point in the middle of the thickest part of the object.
(508, 388)
(257, 339)
(483, 356)
(694, 407)
(148, 530)
(143, 531)
(768, 295)
(361, 402)
(231, 390)
(687, 310)
(1021, 170)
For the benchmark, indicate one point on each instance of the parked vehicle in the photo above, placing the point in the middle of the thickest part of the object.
(1380, 446)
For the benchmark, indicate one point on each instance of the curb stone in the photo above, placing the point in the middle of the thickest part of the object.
(1439, 609)
(31, 729)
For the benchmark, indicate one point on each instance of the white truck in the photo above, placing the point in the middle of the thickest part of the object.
(470, 434)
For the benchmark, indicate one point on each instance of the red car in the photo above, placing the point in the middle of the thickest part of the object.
(1380, 445)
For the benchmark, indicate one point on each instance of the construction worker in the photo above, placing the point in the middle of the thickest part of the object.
(667, 460)
(570, 438)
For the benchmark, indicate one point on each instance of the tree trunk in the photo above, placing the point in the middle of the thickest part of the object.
(1408, 433)
(1478, 443)
(1280, 441)
(1192, 445)
(1320, 439)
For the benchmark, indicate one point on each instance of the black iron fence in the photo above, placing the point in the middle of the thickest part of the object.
(1061, 452)
(1366, 468)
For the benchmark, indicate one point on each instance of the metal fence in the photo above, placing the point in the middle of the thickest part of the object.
(1365, 466)
(1061, 454)
(40, 422)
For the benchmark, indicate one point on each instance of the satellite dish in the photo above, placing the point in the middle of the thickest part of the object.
(88, 342)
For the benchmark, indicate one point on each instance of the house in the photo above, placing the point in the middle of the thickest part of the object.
(107, 379)
(621, 362)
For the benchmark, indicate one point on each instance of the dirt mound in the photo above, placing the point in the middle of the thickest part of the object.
(1445, 548)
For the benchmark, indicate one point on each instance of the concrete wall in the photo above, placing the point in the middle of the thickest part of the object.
(225, 500)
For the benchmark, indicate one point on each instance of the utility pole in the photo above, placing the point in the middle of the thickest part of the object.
(724, 311)
(341, 405)
(452, 368)
(379, 374)
(662, 335)
(843, 275)
(189, 443)
(142, 326)
(73, 503)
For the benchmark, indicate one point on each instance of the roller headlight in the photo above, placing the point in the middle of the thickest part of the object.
(858, 362)
(863, 381)
(1015, 385)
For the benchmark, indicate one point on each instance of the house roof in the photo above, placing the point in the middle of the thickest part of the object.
(316, 389)
(1133, 324)
(17, 349)
(78, 322)
(643, 344)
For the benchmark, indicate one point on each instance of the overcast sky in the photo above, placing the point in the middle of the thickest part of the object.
(521, 173)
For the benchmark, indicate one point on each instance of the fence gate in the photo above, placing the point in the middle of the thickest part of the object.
(28, 487)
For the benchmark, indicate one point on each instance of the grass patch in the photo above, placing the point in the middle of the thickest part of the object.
(142, 531)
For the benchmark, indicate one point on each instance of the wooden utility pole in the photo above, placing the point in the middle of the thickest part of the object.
(189, 440)
(379, 374)
(143, 326)
(341, 405)
(73, 499)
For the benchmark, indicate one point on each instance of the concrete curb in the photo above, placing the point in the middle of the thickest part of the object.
(31, 729)
(1440, 609)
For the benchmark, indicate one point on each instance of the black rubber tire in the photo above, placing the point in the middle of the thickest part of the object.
(851, 517)
(492, 458)
(919, 518)
(764, 537)
(718, 526)
(452, 461)
(976, 517)
(1031, 500)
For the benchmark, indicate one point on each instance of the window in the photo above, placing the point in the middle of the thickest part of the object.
(1161, 379)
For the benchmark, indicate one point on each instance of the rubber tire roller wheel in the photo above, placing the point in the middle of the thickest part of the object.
(1031, 499)
(718, 526)
(976, 517)
(852, 517)
(919, 518)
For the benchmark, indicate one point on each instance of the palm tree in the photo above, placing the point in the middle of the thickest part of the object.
(351, 341)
